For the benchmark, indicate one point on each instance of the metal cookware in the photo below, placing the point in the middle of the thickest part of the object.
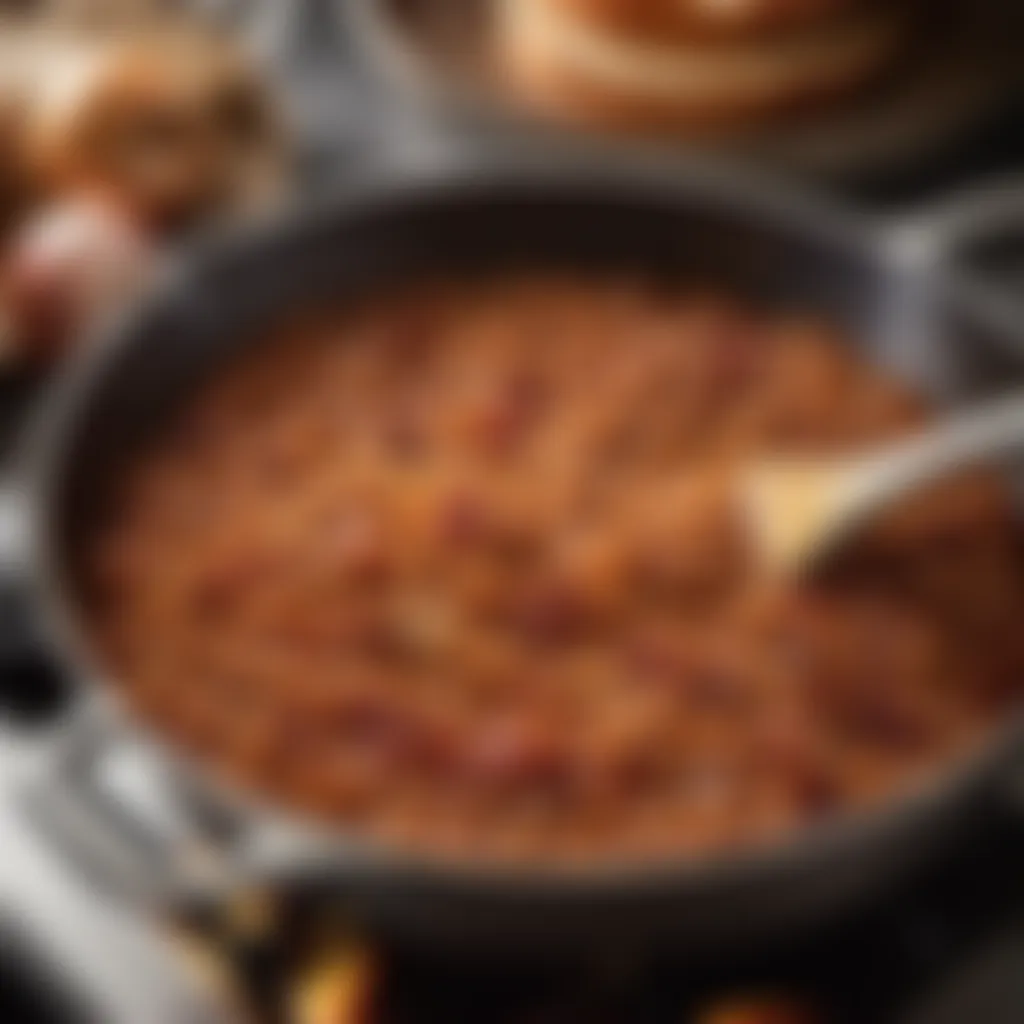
(895, 287)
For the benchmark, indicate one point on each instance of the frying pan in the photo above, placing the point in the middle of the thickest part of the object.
(896, 288)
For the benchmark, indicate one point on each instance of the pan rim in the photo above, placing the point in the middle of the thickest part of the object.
(316, 843)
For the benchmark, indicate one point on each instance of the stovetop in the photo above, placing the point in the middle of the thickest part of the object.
(949, 950)
(955, 942)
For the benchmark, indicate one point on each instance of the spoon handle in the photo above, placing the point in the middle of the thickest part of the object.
(995, 430)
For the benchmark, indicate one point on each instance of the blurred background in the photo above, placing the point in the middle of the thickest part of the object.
(133, 131)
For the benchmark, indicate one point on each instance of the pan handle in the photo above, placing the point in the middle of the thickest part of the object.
(974, 243)
(105, 957)
(126, 817)
(67, 764)
(85, 786)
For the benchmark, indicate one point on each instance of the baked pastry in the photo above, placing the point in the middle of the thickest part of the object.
(172, 125)
(169, 123)
(644, 62)
(109, 143)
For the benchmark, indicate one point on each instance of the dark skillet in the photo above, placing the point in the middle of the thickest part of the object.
(880, 284)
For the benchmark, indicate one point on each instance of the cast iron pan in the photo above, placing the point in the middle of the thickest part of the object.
(890, 285)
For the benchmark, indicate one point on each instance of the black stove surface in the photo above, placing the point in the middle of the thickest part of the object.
(28, 992)
(949, 950)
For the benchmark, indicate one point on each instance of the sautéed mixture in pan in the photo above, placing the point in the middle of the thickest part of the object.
(459, 566)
